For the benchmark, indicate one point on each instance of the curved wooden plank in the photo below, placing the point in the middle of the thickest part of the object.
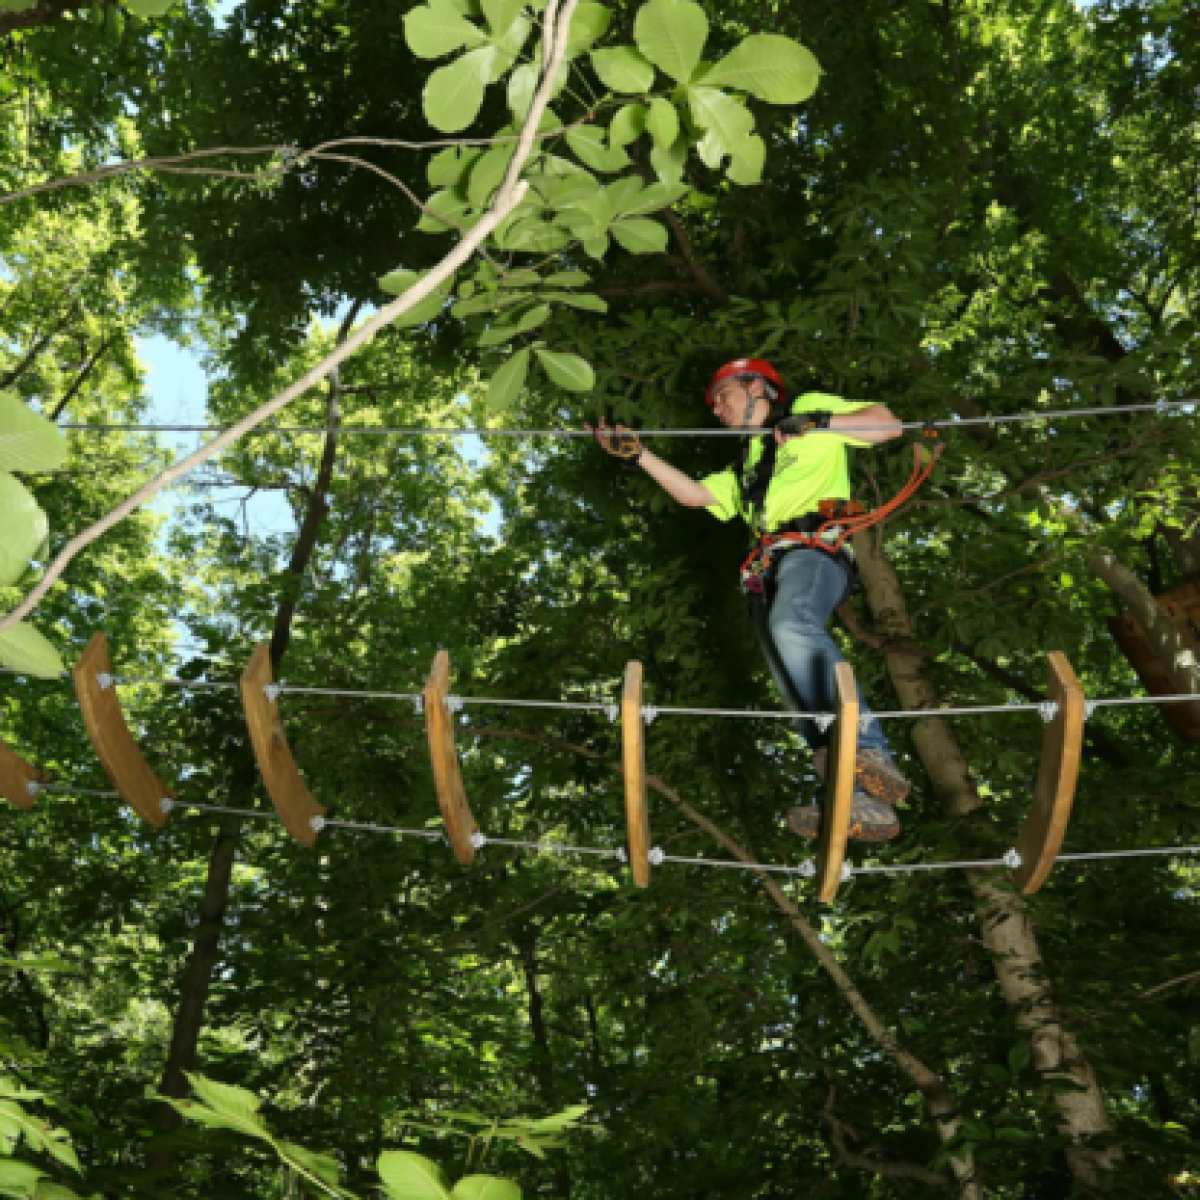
(289, 794)
(1042, 834)
(447, 774)
(119, 755)
(15, 777)
(633, 759)
(839, 788)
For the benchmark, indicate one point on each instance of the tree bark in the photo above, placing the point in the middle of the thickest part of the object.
(1005, 925)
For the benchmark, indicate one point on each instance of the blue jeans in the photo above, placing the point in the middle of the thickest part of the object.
(808, 586)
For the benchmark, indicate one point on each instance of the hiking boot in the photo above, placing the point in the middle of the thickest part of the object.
(870, 820)
(875, 772)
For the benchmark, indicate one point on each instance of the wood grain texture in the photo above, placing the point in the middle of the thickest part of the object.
(447, 773)
(1042, 833)
(120, 756)
(633, 760)
(16, 775)
(839, 788)
(289, 794)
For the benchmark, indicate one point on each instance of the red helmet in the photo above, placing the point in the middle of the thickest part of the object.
(746, 366)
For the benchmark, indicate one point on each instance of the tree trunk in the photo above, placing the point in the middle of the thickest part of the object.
(1004, 920)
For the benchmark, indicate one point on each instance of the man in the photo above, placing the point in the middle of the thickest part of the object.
(797, 461)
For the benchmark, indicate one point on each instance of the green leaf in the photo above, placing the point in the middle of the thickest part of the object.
(409, 1176)
(439, 29)
(447, 203)
(322, 1166)
(588, 144)
(454, 93)
(623, 69)
(18, 1178)
(749, 158)
(522, 84)
(501, 15)
(25, 650)
(28, 440)
(628, 125)
(726, 122)
(149, 8)
(569, 371)
(508, 381)
(668, 164)
(447, 168)
(596, 246)
(641, 235)
(485, 1187)
(568, 279)
(533, 234)
(584, 300)
(671, 34)
(398, 282)
(653, 198)
(46, 1190)
(663, 123)
(509, 45)
(771, 67)
(234, 1102)
(25, 528)
(588, 24)
(488, 173)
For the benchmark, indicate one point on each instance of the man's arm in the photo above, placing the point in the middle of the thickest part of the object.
(868, 426)
(688, 491)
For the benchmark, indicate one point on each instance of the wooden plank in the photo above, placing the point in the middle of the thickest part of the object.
(839, 786)
(447, 773)
(122, 760)
(15, 777)
(633, 758)
(1041, 835)
(289, 794)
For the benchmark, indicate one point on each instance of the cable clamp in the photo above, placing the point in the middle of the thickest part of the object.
(612, 711)
(656, 856)
(32, 787)
(478, 839)
(649, 712)
(271, 691)
(1089, 709)
(105, 680)
(929, 428)
(864, 723)
(846, 871)
(620, 855)
(1047, 710)
(418, 703)
(1161, 406)
(1011, 859)
(1186, 659)
(165, 805)
(807, 869)
(454, 704)
(317, 823)
(823, 720)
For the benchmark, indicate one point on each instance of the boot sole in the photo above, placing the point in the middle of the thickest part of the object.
(876, 781)
(865, 826)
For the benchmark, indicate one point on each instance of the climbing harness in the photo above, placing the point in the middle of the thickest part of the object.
(830, 528)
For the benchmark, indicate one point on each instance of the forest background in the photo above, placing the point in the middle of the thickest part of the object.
(983, 208)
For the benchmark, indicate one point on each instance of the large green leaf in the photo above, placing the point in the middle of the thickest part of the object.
(771, 67)
(522, 84)
(509, 45)
(671, 34)
(501, 15)
(628, 125)
(589, 145)
(398, 282)
(584, 300)
(24, 649)
(25, 528)
(508, 381)
(668, 163)
(623, 69)
(485, 1187)
(567, 370)
(651, 199)
(439, 28)
(228, 1107)
(448, 203)
(641, 236)
(453, 93)
(409, 1176)
(748, 161)
(28, 441)
(663, 123)
(726, 123)
(448, 167)
(589, 23)
(532, 234)
(488, 173)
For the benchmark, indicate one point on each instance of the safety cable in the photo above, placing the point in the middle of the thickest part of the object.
(480, 841)
(650, 712)
(1161, 406)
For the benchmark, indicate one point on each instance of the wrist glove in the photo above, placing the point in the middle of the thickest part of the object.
(620, 442)
(799, 424)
